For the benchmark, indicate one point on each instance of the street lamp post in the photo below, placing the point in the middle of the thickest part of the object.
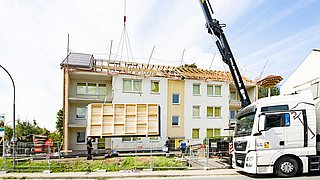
(14, 113)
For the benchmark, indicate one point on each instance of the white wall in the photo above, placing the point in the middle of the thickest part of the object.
(145, 97)
(203, 101)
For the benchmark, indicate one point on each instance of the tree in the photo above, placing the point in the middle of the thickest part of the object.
(193, 65)
(263, 92)
(25, 128)
(8, 132)
(59, 125)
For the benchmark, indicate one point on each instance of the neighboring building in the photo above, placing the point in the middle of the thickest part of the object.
(195, 103)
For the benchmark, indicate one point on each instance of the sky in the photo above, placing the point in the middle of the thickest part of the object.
(266, 37)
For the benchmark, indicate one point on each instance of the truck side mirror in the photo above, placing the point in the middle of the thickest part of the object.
(262, 123)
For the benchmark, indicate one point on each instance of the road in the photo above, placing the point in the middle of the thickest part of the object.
(232, 177)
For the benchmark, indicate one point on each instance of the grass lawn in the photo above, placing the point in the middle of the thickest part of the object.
(83, 165)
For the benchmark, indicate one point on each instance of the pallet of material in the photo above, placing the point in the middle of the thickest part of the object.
(118, 120)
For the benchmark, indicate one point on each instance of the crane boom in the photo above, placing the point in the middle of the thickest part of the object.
(215, 28)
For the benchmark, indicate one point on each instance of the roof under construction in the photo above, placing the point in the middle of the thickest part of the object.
(270, 81)
(113, 67)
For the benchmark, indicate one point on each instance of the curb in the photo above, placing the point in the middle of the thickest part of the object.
(113, 175)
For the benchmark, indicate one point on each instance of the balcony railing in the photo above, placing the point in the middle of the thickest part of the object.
(235, 103)
(94, 98)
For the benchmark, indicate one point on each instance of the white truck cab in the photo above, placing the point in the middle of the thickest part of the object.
(277, 135)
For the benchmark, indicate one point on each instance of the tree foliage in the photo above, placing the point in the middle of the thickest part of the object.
(25, 128)
(193, 65)
(263, 92)
(59, 126)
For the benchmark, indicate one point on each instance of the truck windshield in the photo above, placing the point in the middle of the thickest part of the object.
(244, 125)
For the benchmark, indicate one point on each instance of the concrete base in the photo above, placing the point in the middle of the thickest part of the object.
(47, 171)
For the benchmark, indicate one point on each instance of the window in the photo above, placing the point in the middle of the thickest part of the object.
(196, 89)
(175, 121)
(126, 139)
(127, 85)
(213, 112)
(196, 111)
(210, 90)
(137, 85)
(213, 90)
(81, 88)
(155, 87)
(210, 112)
(195, 133)
(102, 88)
(154, 138)
(91, 89)
(132, 85)
(136, 138)
(233, 95)
(175, 98)
(81, 137)
(217, 132)
(232, 114)
(209, 133)
(277, 120)
(217, 90)
(81, 112)
(129, 139)
(275, 108)
(217, 112)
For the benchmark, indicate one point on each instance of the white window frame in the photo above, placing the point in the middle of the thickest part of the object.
(196, 84)
(132, 139)
(178, 120)
(196, 117)
(81, 118)
(214, 90)
(97, 93)
(174, 94)
(153, 81)
(132, 85)
(213, 112)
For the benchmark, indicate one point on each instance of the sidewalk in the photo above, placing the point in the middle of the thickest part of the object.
(121, 174)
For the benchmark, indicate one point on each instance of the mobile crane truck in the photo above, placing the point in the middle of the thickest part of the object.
(279, 134)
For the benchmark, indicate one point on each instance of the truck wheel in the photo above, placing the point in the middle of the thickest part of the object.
(286, 167)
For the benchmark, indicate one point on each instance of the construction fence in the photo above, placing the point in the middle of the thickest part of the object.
(145, 154)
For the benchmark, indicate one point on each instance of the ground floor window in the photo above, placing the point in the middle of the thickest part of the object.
(209, 133)
(81, 137)
(195, 133)
(128, 139)
(217, 132)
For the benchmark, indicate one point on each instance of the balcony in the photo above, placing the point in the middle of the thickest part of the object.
(85, 98)
(233, 103)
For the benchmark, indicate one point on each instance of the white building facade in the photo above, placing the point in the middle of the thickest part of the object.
(194, 103)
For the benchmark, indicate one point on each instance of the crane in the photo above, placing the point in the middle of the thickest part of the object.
(215, 28)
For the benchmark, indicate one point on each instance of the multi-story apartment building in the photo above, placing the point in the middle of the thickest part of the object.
(195, 103)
